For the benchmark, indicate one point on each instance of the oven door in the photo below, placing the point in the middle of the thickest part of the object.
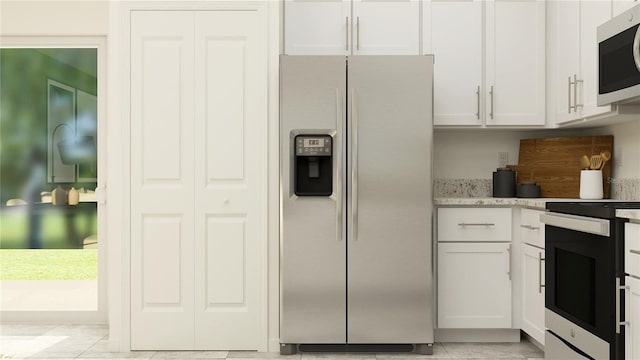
(580, 272)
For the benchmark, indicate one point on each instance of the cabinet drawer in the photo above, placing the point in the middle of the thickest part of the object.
(632, 249)
(531, 229)
(474, 224)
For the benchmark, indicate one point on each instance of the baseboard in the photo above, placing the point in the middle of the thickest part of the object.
(477, 335)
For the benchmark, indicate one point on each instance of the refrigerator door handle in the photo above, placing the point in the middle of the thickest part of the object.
(339, 132)
(354, 166)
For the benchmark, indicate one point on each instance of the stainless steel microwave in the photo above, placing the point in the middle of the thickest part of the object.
(619, 59)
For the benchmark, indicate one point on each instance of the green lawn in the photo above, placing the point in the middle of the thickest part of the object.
(14, 228)
(45, 264)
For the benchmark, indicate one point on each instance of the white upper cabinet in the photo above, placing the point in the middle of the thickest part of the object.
(386, 27)
(453, 32)
(620, 6)
(342, 27)
(317, 27)
(515, 68)
(575, 55)
(490, 70)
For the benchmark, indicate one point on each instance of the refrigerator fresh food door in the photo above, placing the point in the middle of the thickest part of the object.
(312, 258)
(389, 274)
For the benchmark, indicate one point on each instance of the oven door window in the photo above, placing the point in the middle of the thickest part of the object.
(576, 285)
(579, 279)
(617, 68)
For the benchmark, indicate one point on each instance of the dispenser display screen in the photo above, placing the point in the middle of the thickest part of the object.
(314, 143)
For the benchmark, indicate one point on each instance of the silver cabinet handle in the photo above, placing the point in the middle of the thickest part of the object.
(569, 99)
(491, 109)
(358, 33)
(509, 254)
(619, 287)
(637, 252)
(476, 224)
(354, 166)
(530, 227)
(540, 260)
(478, 97)
(575, 92)
(339, 132)
(346, 34)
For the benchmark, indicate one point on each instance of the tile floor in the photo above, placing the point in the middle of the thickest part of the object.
(90, 342)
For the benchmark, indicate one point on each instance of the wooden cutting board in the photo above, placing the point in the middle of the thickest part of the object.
(554, 163)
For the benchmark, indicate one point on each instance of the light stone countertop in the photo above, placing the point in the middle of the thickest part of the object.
(631, 214)
(537, 203)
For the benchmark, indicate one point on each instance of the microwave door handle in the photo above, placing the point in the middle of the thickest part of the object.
(636, 49)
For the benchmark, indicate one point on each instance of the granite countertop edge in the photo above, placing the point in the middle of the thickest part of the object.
(537, 203)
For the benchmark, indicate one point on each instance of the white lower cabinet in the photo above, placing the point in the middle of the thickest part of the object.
(632, 316)
(474, 285)
(533, 292)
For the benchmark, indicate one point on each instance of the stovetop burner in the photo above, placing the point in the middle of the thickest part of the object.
(598, 209)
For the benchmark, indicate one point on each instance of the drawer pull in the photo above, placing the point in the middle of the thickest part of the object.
(476, 224)
(530, 227)
(637, 252)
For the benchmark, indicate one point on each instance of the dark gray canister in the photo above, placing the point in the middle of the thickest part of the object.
(504, 183)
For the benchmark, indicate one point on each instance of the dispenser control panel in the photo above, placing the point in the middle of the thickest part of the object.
(313, 145)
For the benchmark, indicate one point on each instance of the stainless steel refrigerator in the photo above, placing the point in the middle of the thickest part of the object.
(355, 187)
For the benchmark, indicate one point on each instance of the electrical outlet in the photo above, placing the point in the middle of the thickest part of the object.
(503, 159)
(617, 161)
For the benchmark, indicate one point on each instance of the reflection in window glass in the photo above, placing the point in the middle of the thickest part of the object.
(48, 174)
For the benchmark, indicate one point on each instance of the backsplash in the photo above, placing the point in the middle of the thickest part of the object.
(625, 189)
(462, 188)
(621, 189)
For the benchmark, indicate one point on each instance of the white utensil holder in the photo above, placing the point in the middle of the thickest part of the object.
(591, 184)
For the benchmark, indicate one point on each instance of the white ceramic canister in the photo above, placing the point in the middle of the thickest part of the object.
(591, 184)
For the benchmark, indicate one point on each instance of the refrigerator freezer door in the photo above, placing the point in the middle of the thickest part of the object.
(313, 257)
(389, 250)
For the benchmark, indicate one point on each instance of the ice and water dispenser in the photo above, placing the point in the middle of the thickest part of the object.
(313, 165)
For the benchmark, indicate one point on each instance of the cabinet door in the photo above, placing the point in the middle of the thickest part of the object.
(230, 178)
(632, 315)
(592, 14)
(620, 6)
(453, 33)
(533, 292)
(162, 193)
(567, 63)
(317, 27)
(474, 285)
(389, 27)
(515, 64)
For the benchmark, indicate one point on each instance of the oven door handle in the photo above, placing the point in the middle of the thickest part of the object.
(577, 223)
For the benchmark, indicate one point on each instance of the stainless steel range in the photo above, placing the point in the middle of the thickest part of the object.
(584, 279)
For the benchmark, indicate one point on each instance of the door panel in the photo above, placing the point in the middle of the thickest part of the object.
(458, 80)
(313, 257)
(386, 27)
(474, 286)
(389, 250)
(230, 179)
(317, 27)
(161, 181)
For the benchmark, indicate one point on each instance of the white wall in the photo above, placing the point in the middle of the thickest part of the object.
(473, 154)
(50, 17)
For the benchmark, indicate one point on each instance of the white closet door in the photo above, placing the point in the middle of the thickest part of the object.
(162, 196)
(230, 179)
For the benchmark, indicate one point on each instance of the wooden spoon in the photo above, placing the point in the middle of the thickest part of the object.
(585, 163)
(596, 162)
(606, 156)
